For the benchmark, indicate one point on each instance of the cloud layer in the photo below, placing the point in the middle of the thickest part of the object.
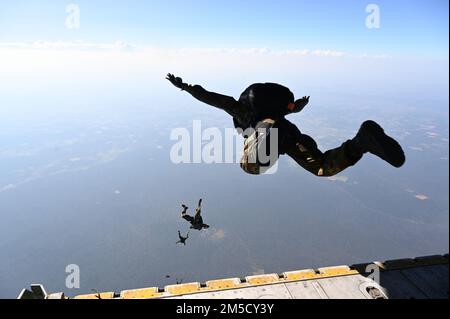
(123, 46)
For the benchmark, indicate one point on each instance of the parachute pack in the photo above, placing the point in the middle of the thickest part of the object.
(267, 100)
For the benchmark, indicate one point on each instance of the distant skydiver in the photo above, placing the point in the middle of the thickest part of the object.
(263, 106)
(182, 240)
(197, 220)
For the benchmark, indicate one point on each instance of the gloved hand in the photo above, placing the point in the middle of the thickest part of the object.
(301, 103)
(176, 81)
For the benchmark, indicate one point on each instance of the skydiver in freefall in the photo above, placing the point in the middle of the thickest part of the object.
(182, 240)
(263, 106)
(197, 220)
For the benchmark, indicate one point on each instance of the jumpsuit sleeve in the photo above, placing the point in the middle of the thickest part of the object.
(223, 102)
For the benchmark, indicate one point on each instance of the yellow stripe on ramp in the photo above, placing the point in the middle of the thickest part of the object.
(262, 279)
(183, 288)
(223, 284)
(144, 293)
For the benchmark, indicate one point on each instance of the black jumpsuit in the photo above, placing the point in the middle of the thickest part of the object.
(300, 147)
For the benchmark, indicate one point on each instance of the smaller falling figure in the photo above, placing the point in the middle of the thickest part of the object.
(197, 220)
(182, 240)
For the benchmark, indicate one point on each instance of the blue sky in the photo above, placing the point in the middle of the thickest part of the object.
(311, 45)
(412, 28)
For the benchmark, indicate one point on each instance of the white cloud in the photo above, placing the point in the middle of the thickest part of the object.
(421, 197)
(38, 66)
(270, 52)
(328, 53)
(217, 234)
(7, 187)
(62, 45)
(123, 46)
(342, 179)
(432, 134)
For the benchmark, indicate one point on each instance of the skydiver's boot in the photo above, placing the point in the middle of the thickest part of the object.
(371, 138)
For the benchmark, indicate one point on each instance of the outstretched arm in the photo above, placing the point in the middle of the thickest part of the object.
(223, 102)
(299, 104)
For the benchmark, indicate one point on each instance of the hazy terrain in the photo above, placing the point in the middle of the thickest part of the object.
(92, 184)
